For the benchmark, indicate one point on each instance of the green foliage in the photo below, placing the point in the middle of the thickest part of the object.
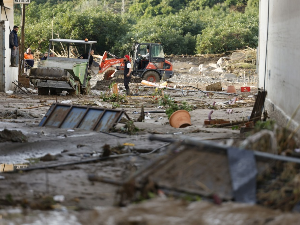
(171, 106)
(236, 127)
(231, 31)
(130, 128)
(253, 3)
(264, 125)
(176, 32)
(107, 97)
(72, 21)
(183, 27)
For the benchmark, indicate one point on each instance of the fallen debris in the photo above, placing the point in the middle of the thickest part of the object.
(12, 135)
(214, 87)
(87, 118)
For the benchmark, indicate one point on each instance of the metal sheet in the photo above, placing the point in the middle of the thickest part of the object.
(93, 115)
(47, 115)
(73, 117)
(57, 115)
(88, 118)
(107, 120)
(242, 166)
(191, 171)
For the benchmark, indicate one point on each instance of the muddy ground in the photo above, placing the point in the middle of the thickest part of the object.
(58, 161)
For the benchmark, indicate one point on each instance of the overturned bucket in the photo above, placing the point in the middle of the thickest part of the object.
(231, 89)
(180, 119)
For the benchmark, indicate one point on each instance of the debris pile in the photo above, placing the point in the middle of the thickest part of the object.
(12, 135)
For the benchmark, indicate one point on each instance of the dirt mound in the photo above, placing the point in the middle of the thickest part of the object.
(12, 135)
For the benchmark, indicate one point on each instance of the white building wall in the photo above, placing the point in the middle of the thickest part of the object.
(279, 65)
(9, 12)
(10, 73)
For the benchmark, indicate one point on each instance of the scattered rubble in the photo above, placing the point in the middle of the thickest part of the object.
(119, 165)
(12, 135)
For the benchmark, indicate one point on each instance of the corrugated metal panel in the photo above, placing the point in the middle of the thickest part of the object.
(91, 119)
(87, 118)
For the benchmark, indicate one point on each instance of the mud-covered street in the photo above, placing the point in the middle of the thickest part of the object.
(53, 175)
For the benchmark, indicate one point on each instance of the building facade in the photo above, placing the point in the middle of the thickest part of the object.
(7, 74)
(279, 55)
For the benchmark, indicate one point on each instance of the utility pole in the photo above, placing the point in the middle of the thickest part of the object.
(52, 24)
(21, 48)
(123, 7)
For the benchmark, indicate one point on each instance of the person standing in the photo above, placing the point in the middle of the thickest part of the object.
(14, 44)
(127, 73)
(29, 59)
(91, 58)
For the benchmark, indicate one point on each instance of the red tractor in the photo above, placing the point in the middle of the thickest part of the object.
(148, 63)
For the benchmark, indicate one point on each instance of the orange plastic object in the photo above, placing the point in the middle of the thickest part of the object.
(245, 89)
(148, 83)
(115, 88)
(231, 89)
(180, 119)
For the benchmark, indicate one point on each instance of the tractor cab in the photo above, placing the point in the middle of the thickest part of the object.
(148, 63)
(148, 52)
(151, 57)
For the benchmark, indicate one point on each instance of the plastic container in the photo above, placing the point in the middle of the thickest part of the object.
(231, 89)
(180, 119)
(148, 83)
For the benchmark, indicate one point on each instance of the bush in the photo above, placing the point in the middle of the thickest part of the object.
(234, 31)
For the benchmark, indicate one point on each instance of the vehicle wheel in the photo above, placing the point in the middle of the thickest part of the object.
(108, 74)
(43, 91)
(151, 76)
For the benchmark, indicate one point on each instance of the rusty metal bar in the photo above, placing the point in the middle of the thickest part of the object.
(87, 109)
(221, 148)
(63, 120)
(98, 121)
(48, 114)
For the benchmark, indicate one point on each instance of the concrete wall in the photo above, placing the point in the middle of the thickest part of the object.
(279, 60)
(8, 74)
(9, 12)
(11, 73)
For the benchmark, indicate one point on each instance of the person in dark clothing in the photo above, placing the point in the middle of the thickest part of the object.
(13, 44)
(45, 56)
(86, 56)
(91, 58)
(127, 73)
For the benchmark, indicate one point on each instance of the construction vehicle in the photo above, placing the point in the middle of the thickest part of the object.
(66, 73)
(153, 68)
